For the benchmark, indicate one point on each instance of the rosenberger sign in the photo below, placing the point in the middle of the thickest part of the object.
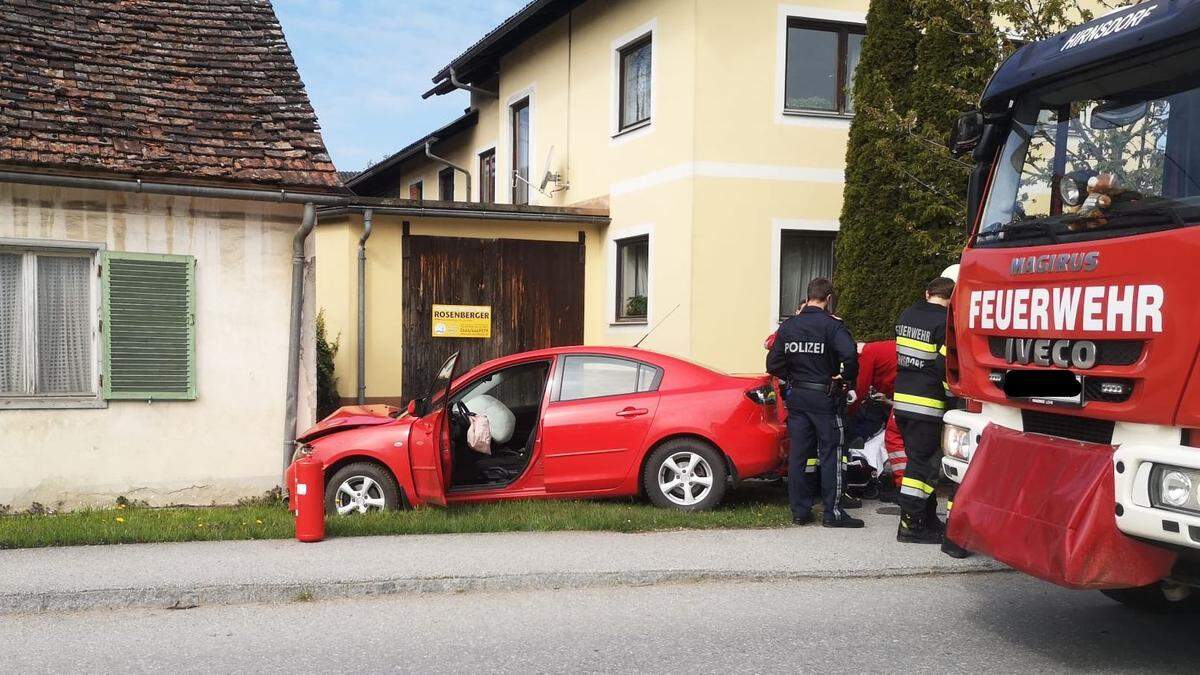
(462, 321)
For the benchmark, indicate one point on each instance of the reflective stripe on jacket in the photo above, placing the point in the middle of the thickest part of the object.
(921, 389)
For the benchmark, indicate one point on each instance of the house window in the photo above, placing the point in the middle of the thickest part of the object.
(487, 176)
(803, 256)
(820, 65)
(415, 190)
(520, 152)
(446, 184)
(47, 319)
(633, 273)
(635, 83)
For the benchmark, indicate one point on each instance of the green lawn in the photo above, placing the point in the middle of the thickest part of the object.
(754, 507)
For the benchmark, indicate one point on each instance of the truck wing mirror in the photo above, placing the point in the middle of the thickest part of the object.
(968, 130)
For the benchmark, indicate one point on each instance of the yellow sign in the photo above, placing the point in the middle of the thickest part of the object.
(462, 321)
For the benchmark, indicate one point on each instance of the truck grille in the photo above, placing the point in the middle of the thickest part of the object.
(1067, 426)
(1108, 352)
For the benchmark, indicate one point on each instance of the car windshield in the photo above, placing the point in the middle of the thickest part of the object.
(1136, 145)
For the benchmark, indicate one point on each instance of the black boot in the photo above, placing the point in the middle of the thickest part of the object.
(954, 550)
(804, 519)
(849, 501)
(841, 519)
(931, 517)
(914, 530)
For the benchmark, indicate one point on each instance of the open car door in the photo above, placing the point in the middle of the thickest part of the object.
(429, 440)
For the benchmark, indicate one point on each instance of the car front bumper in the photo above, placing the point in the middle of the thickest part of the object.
(1138, 448)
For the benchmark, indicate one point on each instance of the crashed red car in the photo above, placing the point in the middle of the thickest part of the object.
(569, 422)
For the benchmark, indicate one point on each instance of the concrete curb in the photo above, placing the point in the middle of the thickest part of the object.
(237, 594)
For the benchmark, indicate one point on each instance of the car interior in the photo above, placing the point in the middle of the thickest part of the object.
(511, 400)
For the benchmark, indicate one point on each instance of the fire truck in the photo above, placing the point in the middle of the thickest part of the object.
(1075, 324)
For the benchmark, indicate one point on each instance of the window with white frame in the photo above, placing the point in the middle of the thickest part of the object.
(47, 320)
(634, 91)
(803, 256)
(633, 274)
(821, 59)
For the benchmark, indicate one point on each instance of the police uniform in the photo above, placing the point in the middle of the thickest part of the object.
(811, 348)
(921, 398)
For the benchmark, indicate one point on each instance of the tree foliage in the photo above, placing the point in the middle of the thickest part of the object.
(327, 395)
(904, 209)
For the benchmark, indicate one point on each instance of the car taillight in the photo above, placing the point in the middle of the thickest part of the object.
(764, 395)
(1191, 438)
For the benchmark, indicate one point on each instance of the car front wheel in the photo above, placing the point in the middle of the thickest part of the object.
(361, 487)
(685, 474)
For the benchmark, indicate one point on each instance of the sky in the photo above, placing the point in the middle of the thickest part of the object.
(365, 64)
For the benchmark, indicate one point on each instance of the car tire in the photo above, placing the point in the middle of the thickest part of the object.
(375, 484)
(1155, 599)
(685, 474)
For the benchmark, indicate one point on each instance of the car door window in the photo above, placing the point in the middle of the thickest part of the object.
(595, 376)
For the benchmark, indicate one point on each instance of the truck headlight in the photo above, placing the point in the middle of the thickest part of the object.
(1175, 487)
(956, 442)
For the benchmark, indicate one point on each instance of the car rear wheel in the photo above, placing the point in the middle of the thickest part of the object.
(1162, 597)
(361, 487)
(685, 474)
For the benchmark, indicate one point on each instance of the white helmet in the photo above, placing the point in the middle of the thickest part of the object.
(951, 273)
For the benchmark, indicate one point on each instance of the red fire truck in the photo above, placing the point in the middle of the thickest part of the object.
(1076, 320)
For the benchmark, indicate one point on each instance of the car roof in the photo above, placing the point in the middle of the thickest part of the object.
(632, 353)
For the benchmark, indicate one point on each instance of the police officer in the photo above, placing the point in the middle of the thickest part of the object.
(921, 398)
(815, 355)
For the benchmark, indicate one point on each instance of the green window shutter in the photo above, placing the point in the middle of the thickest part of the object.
(149, 326)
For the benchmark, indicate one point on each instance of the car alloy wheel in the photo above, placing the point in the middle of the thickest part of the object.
(685, 478)
(359, 494)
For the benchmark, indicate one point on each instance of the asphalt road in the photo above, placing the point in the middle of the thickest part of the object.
(997, 622)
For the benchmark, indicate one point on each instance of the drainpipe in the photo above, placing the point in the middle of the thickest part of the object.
(452, 165)
(293, 363)
(463, 85)
(362, 307)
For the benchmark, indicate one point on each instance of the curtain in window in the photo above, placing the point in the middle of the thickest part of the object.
(803, 257)
(637, 86)
(63, 325)
(12, 345)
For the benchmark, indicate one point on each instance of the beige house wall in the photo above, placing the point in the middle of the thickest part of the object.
(226, 444)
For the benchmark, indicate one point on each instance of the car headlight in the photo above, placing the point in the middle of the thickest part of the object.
(1175, 488)
(956, 442)
(302, 450)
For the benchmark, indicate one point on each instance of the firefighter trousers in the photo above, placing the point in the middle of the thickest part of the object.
(814, 440)
(922, 444)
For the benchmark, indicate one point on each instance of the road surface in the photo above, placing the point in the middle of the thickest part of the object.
(992, 622)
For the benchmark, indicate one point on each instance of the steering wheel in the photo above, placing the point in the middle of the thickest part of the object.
(461, 413)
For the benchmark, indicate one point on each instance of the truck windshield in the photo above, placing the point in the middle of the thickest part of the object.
(1141, 145)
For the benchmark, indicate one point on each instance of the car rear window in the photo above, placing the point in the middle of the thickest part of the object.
(587, 376)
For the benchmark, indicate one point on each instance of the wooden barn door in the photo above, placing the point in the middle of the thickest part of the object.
(535, 290)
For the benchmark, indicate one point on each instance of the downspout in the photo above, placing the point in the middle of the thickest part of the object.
(473, 89)
(452, 165)
(362, 307)
(293, 364)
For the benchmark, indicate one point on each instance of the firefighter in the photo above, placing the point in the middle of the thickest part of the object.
(921, 398)
(814, 353)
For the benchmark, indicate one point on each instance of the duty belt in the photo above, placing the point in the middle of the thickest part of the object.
(823, 388)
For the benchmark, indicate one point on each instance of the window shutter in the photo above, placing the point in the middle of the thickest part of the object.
(149, 329)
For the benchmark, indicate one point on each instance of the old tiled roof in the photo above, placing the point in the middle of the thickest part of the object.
(193, 89)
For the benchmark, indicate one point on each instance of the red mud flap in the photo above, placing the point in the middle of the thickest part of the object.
(1044, 506)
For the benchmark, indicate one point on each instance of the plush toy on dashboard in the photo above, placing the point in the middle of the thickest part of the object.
(1101, 189)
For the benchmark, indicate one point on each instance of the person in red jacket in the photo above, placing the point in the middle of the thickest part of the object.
(877, 369)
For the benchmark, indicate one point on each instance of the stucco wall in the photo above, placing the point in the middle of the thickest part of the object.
(224, 445)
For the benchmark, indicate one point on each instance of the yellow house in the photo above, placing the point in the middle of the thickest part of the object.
(712, 133)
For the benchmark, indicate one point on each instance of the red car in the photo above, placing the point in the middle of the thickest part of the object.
(568, 422)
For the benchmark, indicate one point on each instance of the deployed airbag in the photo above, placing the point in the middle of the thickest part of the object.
(502, 420)
(1045, 506)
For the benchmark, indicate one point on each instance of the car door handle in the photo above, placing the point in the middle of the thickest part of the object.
(632, 412)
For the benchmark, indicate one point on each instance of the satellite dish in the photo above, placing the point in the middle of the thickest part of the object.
(549, 175)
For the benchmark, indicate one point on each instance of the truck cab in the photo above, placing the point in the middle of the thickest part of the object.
(1075, 324)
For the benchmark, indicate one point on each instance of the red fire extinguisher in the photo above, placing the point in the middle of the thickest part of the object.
(309, 493)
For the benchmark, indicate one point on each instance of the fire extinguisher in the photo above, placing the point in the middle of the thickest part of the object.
(309, 492)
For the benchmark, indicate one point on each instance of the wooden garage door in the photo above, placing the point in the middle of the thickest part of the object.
(535, 290)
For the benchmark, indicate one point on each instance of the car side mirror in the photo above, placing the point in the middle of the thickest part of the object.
(967, 132)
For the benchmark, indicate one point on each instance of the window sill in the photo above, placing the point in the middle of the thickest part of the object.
(823, 114)
(52, 403)
(632, 128)
(629, 322)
